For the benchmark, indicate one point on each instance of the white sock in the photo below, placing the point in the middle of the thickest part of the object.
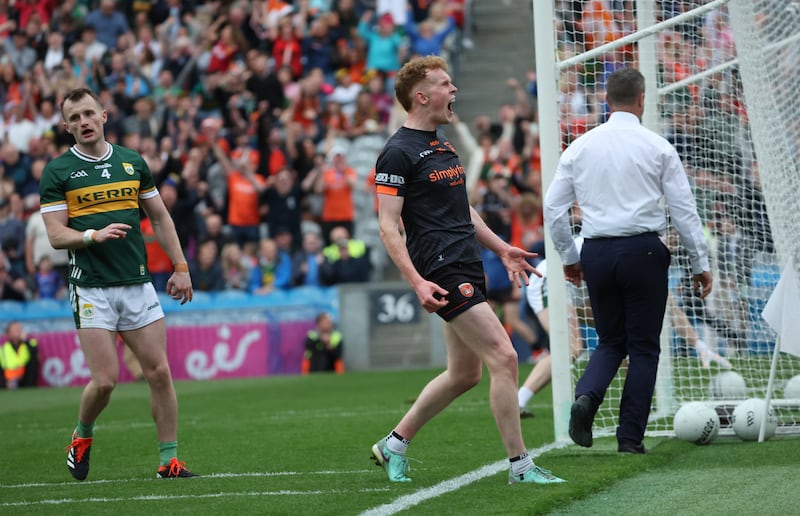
(700, 346)
(524, 396)
(397, 444)
(521, 464)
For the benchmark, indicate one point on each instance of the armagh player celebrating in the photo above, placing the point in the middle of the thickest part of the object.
(421, 191)
(90, 200)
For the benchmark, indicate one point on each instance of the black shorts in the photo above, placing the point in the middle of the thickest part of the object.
(465, 284)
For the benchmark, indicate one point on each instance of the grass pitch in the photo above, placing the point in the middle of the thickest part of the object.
(300, 445)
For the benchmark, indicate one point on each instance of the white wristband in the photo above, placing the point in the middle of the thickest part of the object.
(88, 237)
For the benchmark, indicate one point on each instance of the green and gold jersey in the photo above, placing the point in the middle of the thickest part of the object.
(96, 192)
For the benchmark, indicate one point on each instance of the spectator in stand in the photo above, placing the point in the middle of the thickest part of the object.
(282, 201)
(48, 283)
(228, 46)
(346, 268)
(356, 248)
(20, 129)
(55, 51)
(323, 347)
(19, 358)
(273, 270)
(20, 54)
(244, 153)
(143, 120)
(120, 73)
(348, 17)
(308, 261)
(206, 270)
(345, 92)
(287, 48)
(94, 48)
(16, 166)
(214, 229)
(527, 222)
(335, 123)
(236, 268)
(385, 47)
(244, 187)
(45, 116)
(158, 261)
(336, 185)
(109, 23)
(12, 236)
(425, 38)
(383, 101)
(283, 240)
(149, 51)
(319, 48)
(306, 108)
(263, 83)
(11, 289)
(37, 246)
(366, 119)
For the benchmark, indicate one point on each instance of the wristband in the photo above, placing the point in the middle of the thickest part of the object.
(88, 237)
(181, 267)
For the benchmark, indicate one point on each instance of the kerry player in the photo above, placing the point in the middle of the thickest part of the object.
(90, 201)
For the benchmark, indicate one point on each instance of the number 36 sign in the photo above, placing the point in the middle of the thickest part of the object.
(394, 306)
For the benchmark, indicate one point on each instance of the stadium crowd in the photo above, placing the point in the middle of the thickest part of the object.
(260, 121)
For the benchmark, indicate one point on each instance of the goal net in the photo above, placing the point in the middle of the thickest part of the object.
(720, 79)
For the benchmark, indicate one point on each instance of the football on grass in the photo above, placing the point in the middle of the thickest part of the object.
(696, 422)
(747, 418)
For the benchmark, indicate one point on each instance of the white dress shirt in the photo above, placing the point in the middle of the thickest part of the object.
(618, 173)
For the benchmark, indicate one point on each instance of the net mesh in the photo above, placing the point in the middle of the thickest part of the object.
(725, 81)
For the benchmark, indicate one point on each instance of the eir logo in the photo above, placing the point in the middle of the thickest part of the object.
(466, 289)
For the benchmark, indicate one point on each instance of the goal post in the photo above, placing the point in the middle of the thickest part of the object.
(719, 79)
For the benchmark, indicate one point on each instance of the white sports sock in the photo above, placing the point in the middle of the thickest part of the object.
(524, 396)
(397, 444)
(521, 464)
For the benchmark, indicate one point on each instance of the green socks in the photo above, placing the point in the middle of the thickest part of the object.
(85, 430)
(167, 450)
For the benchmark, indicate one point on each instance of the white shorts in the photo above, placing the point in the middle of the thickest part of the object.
(128, 307)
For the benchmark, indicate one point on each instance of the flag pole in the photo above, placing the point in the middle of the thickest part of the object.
(770, 387)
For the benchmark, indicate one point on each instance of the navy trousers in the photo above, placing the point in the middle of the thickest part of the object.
(627, 280)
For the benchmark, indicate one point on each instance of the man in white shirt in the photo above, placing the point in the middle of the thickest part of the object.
(619, 172)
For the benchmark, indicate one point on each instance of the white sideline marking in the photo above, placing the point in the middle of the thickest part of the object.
(453, 484)
(211, 475)
(146, 498)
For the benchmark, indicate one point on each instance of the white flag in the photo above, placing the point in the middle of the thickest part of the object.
(782, 311)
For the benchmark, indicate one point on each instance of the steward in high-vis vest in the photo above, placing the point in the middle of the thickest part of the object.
(323, 347)
(19, 358)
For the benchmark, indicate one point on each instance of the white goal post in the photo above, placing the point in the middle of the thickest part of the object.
(721, 79)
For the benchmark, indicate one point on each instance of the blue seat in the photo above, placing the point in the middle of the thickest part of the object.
(11, 309)
(308, 295)
(201, 297)
(277, 297)
(230, 298)
(48, 308)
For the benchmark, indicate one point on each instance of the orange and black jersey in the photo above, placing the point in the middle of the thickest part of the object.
(424, 169)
